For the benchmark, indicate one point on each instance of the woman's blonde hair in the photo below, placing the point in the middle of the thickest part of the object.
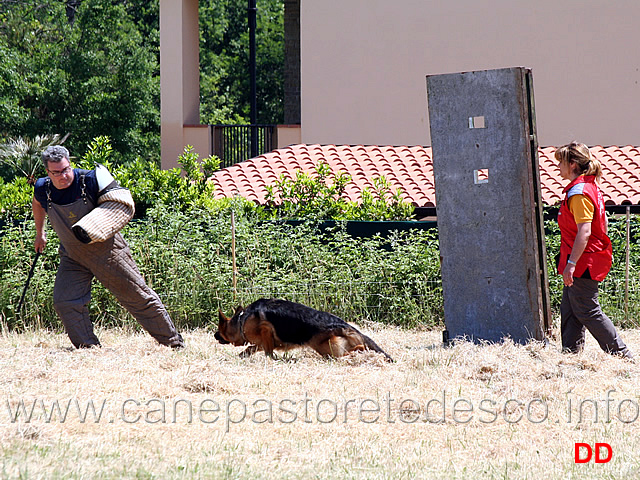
(579, 154)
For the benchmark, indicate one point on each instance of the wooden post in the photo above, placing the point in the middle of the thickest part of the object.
(233, 255)
(626, 269)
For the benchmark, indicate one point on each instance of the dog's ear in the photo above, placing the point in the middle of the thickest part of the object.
(221, 316)
(239, 310)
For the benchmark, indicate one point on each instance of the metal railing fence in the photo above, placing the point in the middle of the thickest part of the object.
(232, 143)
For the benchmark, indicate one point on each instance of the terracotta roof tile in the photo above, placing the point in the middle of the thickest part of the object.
(411, 169)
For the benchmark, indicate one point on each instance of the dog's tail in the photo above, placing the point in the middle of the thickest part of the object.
(371, 345)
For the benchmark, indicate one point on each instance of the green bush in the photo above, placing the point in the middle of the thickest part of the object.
(16, 257)
(308, 197)
(320, 197)
(186, 258)
(15, 200)
(149, 184)
(613, 289)
(183, 248)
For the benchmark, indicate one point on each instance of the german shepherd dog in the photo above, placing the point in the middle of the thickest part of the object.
(273, 324)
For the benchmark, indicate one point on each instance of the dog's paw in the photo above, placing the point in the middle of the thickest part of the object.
(249, 351)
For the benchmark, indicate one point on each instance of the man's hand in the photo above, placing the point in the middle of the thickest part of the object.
(40, 242)
(39, 216)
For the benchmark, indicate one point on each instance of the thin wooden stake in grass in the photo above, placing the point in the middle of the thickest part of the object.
(626, 269)
(233, 254)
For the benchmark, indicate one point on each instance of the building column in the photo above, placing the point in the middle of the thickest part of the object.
(180, 82)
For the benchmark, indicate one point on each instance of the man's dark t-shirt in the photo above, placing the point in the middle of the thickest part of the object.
(70, 194)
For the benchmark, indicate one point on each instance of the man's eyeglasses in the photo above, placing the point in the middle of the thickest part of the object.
(59, 173)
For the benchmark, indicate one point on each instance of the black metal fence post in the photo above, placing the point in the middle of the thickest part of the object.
(252, 74)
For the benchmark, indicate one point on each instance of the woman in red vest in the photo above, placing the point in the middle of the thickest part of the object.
(585, 253)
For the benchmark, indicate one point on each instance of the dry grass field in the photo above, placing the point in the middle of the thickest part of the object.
(468, 411)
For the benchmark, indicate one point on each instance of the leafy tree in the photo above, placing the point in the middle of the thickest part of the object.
(22, 155)
(90, 68)
(113, 80)
(12, 87)
(224, 61)
(146, 16)
(82, 71)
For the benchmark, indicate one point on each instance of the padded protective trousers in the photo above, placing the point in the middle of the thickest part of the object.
(112, 264)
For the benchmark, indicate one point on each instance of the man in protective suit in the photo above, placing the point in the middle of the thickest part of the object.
(87, 209)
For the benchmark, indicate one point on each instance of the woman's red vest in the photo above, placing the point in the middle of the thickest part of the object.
(598, 254)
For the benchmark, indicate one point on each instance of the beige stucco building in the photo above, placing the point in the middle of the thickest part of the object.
(363, 65)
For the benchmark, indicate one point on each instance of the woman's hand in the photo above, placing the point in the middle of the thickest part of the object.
(567, 275)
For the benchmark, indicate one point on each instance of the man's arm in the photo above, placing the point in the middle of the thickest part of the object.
(39, 216)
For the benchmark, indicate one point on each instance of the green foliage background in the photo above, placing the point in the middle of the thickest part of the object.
(186, 257)
(224, 61)
(183, 248)
(91, 67)
(88, 75)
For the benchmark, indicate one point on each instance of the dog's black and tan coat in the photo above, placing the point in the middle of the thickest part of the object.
(273, 324)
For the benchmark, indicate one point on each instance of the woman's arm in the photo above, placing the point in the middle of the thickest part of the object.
(580, 243)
